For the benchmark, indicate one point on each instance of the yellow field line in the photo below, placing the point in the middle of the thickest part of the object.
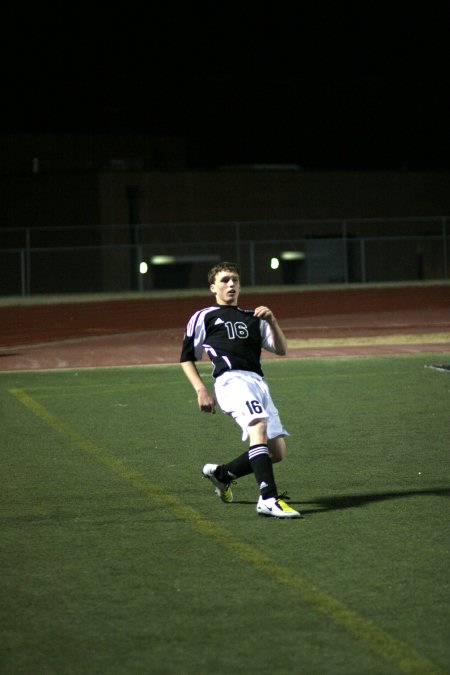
(422, 338)
(379, 641)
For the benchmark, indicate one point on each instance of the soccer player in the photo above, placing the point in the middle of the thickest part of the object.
(233, 339)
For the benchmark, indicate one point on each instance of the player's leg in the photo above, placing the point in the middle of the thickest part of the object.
(258, 454)
(255, 460)
(229, 392)
(269, 503)
(266, 451)
(277, 449)
(245, 401)
(221, 482)
(237, 468)
(240, 466)
(242, 399)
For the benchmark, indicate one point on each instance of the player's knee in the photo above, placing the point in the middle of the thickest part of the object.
(260, 423)
(275, 458)
(277, 449)
(257, 431)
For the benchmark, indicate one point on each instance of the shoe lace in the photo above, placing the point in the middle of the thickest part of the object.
(228, 485)
(283, 496)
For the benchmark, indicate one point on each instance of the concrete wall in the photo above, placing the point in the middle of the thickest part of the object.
(186, 196)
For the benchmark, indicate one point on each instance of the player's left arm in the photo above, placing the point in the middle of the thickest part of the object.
(278, 337)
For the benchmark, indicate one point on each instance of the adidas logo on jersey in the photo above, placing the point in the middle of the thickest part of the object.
(218, 321)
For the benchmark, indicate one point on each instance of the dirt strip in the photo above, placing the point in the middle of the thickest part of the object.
(62, 319)
(102, 331)
(379, 333)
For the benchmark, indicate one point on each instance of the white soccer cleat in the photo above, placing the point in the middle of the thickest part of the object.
(222, 490)
(277, 508)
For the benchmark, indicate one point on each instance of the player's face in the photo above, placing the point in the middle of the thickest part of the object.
(226, 287)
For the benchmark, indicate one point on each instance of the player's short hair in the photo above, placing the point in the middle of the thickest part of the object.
(222, 267)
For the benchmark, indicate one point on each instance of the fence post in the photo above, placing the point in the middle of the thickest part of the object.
(238, 244)
(23, 276)
(252, 263)
(136, 258)
(363, 259)
(140, 276)
(444, 246)
(345, 244)
(133, 197)
(27, 261)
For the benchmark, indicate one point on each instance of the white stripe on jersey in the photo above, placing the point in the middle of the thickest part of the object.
(210, 350)
(196, 329)
(227, 361)
(266, 335)
(195, 318)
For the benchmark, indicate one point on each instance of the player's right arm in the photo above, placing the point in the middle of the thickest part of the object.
(206, 401)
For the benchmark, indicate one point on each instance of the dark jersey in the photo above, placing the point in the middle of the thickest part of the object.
(232, 338)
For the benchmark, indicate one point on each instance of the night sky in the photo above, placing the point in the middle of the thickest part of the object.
(342, 85)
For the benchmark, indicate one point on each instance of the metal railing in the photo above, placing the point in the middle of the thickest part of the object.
(162, 256)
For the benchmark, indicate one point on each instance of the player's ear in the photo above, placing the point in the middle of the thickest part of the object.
(211, 288)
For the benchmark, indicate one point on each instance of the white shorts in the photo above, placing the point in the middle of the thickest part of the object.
(246, 397)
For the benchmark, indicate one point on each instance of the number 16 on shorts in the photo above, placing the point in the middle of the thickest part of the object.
(255, 408)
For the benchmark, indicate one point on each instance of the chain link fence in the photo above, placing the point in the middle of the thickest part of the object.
(59, 260)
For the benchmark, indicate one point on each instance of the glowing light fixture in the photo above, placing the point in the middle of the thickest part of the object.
(162, 259)
(292, 255)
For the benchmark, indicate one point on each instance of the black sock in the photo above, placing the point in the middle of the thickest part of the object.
(262, 468)
(238, 467)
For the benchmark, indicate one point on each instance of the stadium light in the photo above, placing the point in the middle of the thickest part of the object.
(162, 259)
(292, 255)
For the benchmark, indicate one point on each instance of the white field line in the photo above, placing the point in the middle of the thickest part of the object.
(418, 338)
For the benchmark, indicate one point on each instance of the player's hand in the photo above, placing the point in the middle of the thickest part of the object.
(263, 312)
(206, 402)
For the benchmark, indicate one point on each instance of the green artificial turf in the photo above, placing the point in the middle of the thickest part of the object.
(117, 557)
